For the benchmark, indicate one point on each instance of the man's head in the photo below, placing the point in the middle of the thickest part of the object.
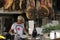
(20, 19)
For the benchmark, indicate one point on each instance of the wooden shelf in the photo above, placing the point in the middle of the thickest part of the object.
(10, 12)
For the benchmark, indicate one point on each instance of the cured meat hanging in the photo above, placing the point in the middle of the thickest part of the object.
(31, 13)
(12, 4)
(42, 2)
(7, 4)
(51, 10)
(43, 10)
(23, 5)
(17, 5)
(31, 10)
(32, 3)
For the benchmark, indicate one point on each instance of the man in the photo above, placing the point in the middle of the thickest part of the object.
(18, 28)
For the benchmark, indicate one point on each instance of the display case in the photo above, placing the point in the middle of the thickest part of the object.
(1, 25)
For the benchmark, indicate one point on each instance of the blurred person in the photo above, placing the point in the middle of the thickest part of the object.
(17, 28)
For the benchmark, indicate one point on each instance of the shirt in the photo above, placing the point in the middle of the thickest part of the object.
(18, 28)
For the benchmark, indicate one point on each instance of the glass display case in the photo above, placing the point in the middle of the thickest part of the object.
(1, 25)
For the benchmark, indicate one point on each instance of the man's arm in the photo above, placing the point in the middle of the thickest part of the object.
(10, 30)
(25, 31)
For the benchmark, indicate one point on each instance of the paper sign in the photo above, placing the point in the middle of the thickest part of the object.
(57, 34)
(52, 35)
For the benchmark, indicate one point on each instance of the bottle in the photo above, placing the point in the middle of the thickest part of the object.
(34, 34)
